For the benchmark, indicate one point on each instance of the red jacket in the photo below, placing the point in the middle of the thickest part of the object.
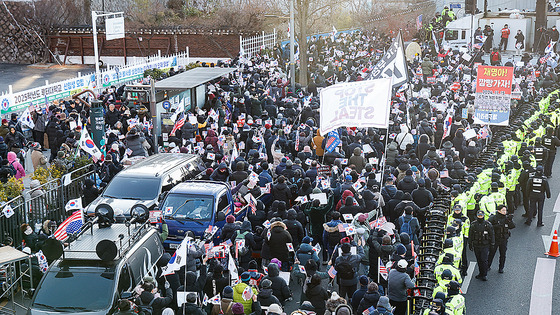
(505, 32)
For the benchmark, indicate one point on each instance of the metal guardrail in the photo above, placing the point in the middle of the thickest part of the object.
(46, 202)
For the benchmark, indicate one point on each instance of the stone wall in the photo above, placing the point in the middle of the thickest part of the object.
(19, 41)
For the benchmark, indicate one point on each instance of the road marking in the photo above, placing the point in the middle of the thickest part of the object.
(547, 239)
(557, 204)
(543, 283)
(468, 277)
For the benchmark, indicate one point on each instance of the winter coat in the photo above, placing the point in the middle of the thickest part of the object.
(266, 298)
(414, 226)
(224, 308)
(358, 296)
(392, 153)
(221, 173)
(212, 139)
(370, 299)
(317, 295)
(427, 67)
(159, 303)
(317, 215)
(306, 252)
(281, 192)
(16, 139)
(350, 207)
(294, 227)
(354, 261)
(238, 297)
(357, 160)
(398, 283)
(407, 184)
(280, 288)
(279, 236)
(12, 159)
(191, 309)
(423, 146)
(228, 231)
(38, 159)
(422, 197)
(134, 143)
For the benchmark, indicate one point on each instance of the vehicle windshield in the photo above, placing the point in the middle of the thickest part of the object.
(193, 207)
(122, 187)
(70, 290)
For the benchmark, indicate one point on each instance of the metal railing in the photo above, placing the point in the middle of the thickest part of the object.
(46, 202)
(253, 45)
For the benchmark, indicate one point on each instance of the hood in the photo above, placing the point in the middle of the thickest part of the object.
(222, 166)
(34, 184)
(265, 293)
(424, 138)
(11, 157)
(357, 151)
(347, 193)
(384, 302)
(292, 214)
(278, 224)
(405, 238)
(305, 247)
(191, 278)
(146, 297)
(239, 288)
(246, 226)
(368, 195)
(331, 226)
(408, 179)
(211, 133)
(399, 195)
(392, 146)
(273, 270)
(404, 129)
(349, 201)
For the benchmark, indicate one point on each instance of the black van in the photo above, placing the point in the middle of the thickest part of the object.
(97, 268)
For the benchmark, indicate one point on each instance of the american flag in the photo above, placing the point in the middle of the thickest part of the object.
(69, 226)
(179, 123)
(369, 310)
(419, 22)
(382, 269)
(332, 272)
(253, 204)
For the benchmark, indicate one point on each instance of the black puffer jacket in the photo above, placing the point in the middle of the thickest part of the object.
(317, 295)
(280, 288)
(407, 184)
(370, 299)
(281, 192)
(279, 236)
(134, 143)
(294, 227)
(266, 297)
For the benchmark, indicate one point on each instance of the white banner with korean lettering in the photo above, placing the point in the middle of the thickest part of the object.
(356, 104)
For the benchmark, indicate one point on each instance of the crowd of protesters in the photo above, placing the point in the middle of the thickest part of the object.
(378, 185)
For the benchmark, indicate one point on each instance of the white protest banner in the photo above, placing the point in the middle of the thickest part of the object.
(356, 104)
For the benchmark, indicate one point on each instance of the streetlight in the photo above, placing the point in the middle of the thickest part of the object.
(292, 44)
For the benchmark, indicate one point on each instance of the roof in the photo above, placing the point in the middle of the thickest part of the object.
(464, 23)
(192, 78)
(9, 254)
(84, 247)
(199, 188)
(157, 164)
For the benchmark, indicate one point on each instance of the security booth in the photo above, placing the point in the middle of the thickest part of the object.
(186, 90)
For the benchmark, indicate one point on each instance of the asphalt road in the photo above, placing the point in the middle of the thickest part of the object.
(510, 292)
(23, 77)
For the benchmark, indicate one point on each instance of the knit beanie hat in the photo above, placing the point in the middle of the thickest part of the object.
(227, 293)
(237, 308)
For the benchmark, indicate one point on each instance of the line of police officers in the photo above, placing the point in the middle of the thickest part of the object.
(482, 215)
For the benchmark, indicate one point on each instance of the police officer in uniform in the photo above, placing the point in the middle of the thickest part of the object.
(523, 179)
(502, 223)
(551, 142)
(540, 152)
(455, 302)
(481, 237)
(537, 186)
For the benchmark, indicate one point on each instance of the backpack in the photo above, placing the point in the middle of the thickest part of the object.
(334, 238)
(345, 270)
(405, 227)
(12, 169)
(147, 309)
(243, 250)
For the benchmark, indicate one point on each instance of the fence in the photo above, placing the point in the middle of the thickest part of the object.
(252, 45)
(14, 102)
(46, 202)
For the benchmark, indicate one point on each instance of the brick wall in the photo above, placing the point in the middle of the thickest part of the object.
(19, 42)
